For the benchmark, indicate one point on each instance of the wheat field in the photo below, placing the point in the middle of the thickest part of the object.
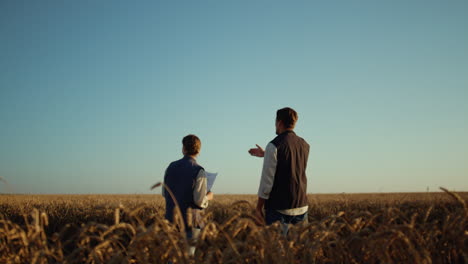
(342, 228)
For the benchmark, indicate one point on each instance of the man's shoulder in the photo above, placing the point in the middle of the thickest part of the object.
(198, 166)
(288, 138)
(175, 163)
(283, 137)
(277, 140)
(302, 140)
(184, 163)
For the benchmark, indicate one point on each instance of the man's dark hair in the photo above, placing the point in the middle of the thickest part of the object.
(288, 116)
(192, 145)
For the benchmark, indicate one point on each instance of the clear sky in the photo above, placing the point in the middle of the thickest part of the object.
(95, 96)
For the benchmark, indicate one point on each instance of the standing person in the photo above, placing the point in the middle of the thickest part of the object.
(283, 186)
(187, 182)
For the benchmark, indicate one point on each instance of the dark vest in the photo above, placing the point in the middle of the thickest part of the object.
(290, 184)
(180, 179)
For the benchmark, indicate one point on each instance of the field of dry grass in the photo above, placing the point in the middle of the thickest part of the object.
(342, 228)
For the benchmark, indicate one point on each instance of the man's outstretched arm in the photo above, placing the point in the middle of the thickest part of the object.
(257, 152)
(268, 176)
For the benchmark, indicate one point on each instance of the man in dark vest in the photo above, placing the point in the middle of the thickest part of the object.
(283, 186)
(187, 183)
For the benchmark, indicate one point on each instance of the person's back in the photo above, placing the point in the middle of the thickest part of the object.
(180, 178)
(283, 185)
(289, 188)
(186, 183)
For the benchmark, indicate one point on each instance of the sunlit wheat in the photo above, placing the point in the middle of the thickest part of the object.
(373, 228)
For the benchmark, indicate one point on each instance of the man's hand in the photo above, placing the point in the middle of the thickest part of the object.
(259, 214)
(209, 195)
(259, 210)
(257, 152)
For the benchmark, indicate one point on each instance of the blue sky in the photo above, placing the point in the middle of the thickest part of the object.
(95, 96)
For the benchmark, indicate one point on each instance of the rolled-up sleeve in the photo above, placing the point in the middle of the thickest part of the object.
(200, 190)
(268, 172)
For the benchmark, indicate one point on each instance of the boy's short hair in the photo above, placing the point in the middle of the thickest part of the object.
(288, 116)
(192, 145)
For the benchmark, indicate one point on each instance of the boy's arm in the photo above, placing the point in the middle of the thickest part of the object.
(200, 190)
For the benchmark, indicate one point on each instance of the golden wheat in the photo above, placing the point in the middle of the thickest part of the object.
(345, 228)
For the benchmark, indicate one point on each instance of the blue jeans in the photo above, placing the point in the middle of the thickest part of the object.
(272, 216)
